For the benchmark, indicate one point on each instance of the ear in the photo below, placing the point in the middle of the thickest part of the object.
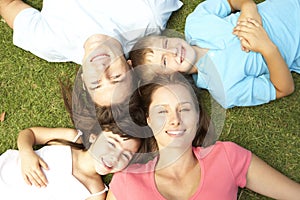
(129, 62)
(92, 138)
(148, 121)
(83, 85)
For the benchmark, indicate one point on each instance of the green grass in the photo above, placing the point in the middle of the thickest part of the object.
(30, 96)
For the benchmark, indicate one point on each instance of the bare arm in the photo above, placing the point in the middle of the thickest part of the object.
(31, 163)
(239, 5)
(110, 196)
(267, 181)
(248, 9)
(254, 37)
(10, 8)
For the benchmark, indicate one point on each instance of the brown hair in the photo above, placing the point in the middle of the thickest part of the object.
(91, 118)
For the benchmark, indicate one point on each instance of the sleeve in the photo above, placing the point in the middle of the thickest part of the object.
(163, 9)
(239, 159)
(207, 26)
(117, 186)
(30, 31)
(250, 91)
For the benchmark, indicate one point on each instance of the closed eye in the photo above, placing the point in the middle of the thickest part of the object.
(165, 43)
(115, 76)
(126, 156)
(112, 144)
(164, 61)
(162, 111)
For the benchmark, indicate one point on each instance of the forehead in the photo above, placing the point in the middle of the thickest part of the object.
(175, 93)
(130, 144)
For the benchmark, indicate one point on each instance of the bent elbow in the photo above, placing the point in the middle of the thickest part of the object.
(286, 92)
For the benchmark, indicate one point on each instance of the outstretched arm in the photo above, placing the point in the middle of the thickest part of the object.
(267, 181)
(10, 8)
(254, 37)
(31, 163)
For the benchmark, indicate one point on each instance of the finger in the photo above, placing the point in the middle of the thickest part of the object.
(26, 179)
(253, 21)
(33, 181)
(42, 177)
(245, 26)
(245, 44)
(36, 180)
(44, 165)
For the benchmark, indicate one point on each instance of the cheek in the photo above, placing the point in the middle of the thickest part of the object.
(157, 123)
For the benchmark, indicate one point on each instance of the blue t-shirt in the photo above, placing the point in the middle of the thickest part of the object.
(232, 76)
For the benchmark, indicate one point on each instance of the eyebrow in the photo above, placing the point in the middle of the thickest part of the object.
(181, 103)
(118, 141)
(98, 86)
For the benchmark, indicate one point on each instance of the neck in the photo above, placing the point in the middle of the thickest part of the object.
(80, 157)
(176, 162)
(200, 52)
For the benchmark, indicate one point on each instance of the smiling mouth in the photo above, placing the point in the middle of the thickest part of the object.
(175, 133)
(98, 57)
(182, 54)
(106, 165)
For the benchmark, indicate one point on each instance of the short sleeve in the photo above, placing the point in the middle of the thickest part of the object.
(250, 91)
(163, 9)
(30, 31)
(207, 24)
(116, 186)
(239, 159)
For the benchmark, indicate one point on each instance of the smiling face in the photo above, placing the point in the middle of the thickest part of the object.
(171, 54)
(112, 153)
(173, 117)
(105, 70)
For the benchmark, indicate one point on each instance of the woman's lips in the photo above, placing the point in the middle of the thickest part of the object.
(175, 133)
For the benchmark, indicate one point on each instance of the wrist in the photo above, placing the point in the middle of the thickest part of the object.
(270, 50)
(248, 6)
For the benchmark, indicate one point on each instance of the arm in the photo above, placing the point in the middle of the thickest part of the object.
(254, 37)
(9, 9)
(248, 9)
(110, 196)
(31, 163)
(265, 180)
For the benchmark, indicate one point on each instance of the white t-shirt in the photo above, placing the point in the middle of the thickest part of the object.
(57, 33)
(61, 183)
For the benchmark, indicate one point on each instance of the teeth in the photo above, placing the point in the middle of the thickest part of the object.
(175, 132)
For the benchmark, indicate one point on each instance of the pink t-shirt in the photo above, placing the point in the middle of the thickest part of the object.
(224, 169)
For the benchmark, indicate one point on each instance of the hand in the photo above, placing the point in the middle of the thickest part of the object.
(32, 173)
(249, 10)
(253, 36)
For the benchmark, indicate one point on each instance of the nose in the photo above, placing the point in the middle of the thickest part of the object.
(175, 119)
(113, 158)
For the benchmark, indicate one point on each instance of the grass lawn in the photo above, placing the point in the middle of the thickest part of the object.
(30, 96)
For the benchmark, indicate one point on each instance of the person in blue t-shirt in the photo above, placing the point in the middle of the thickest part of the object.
(241, 52)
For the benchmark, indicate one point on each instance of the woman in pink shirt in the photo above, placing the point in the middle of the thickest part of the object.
(181, 168)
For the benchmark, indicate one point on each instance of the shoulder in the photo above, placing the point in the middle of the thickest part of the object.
(228, 148)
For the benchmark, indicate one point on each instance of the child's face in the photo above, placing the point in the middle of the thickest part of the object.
(112, 153)
(105, 71)
(171, 54)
